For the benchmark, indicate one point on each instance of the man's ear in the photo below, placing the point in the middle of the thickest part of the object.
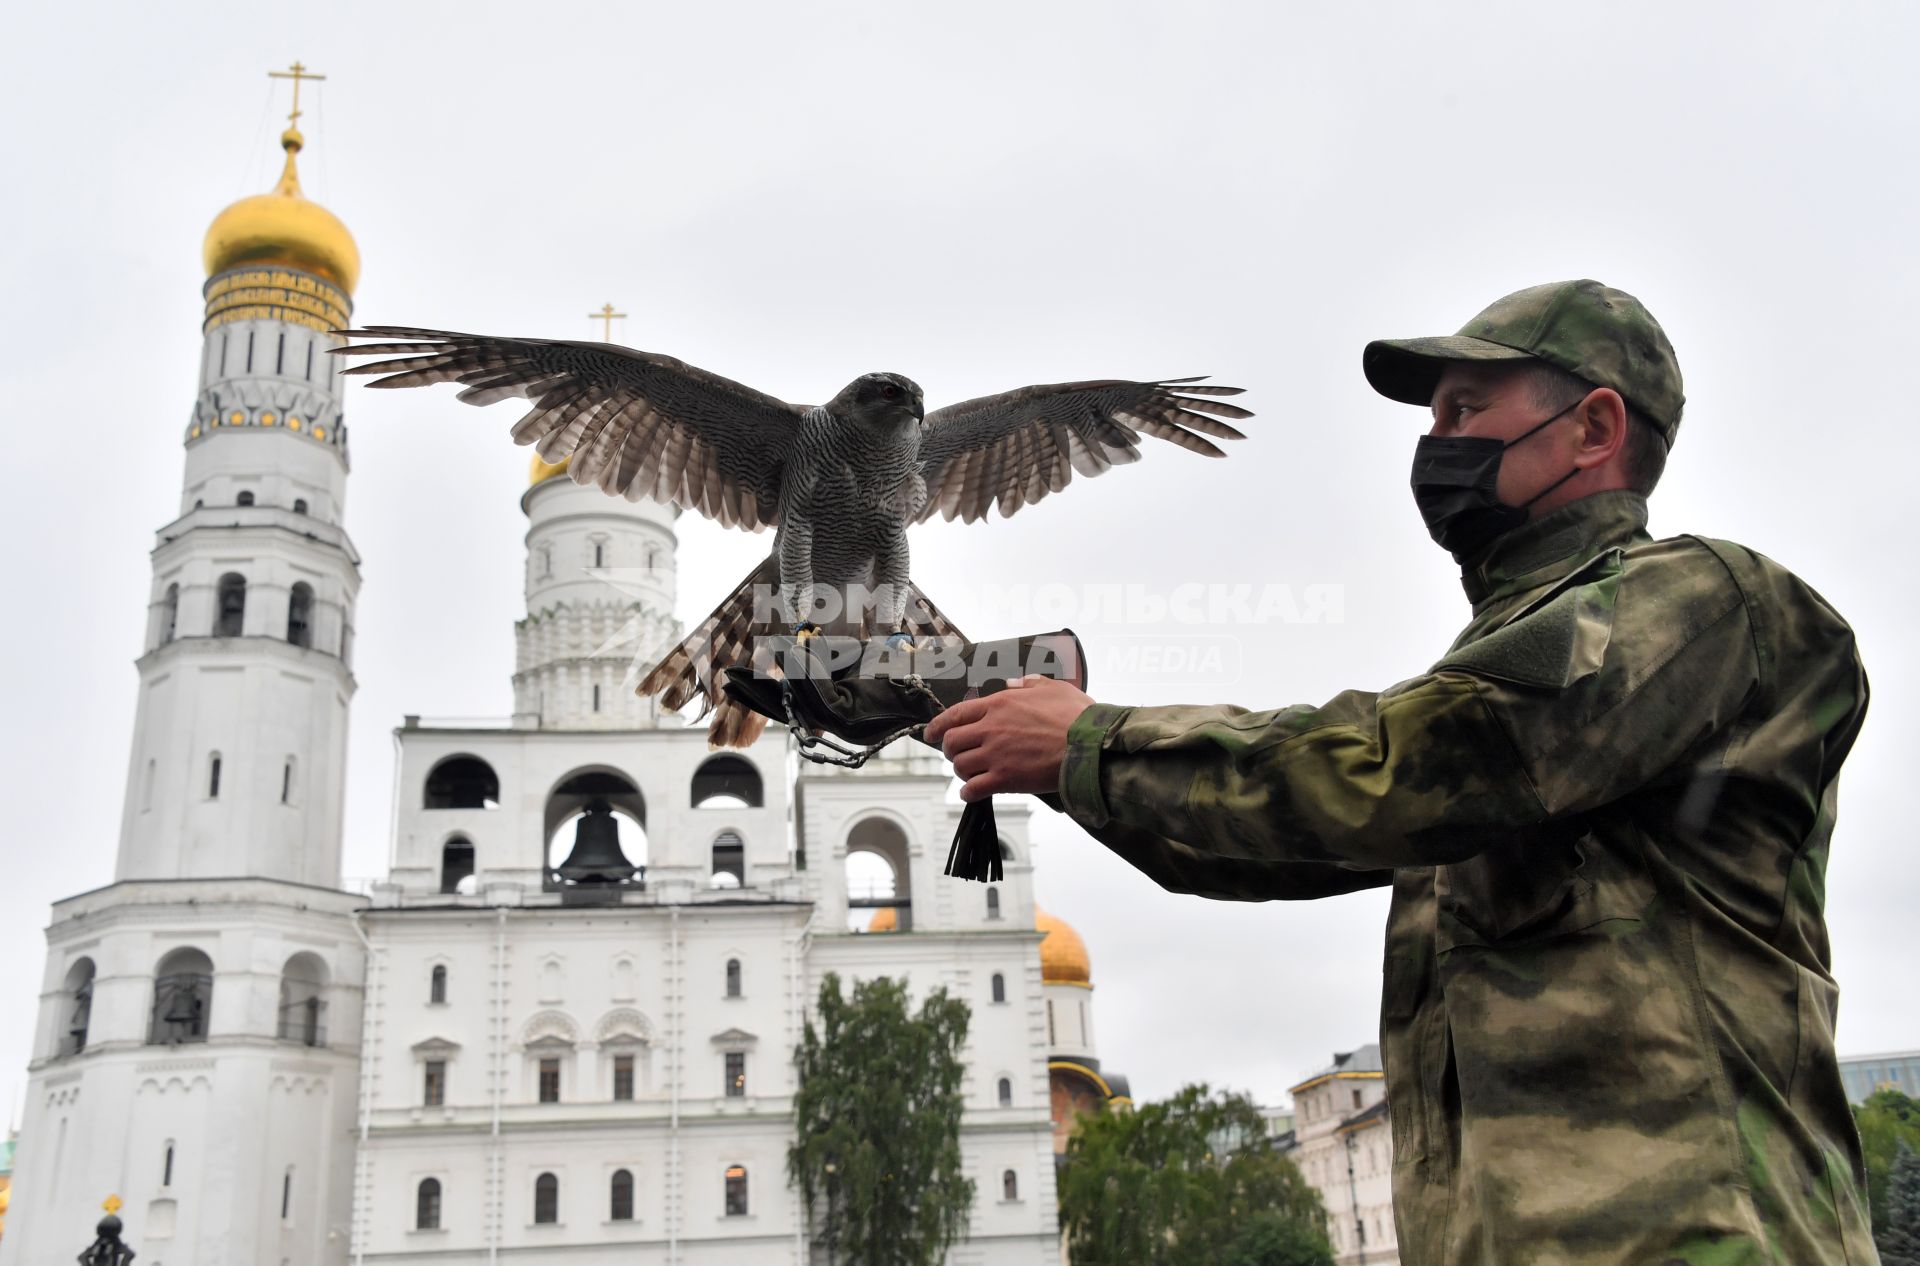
(1603, 428)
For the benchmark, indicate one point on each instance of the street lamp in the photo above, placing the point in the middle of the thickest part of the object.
(833, 1212)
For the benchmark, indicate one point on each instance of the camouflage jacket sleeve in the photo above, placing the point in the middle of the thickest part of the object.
(1571, 702)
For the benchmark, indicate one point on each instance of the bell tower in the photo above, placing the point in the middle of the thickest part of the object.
(600, 586)
(198, 1036)
(239, 744)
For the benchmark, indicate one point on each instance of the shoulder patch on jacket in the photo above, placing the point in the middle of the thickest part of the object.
(1557, 639)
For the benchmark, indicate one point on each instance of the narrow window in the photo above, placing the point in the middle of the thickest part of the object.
(280, 354)
(170, 620)
(213, 777)
(426, 1206)
(299, 505)
(993, 903)
(231, 609)
(1051, 1039)
(223, 352)
(80, 1000)
(999, 987)
(300, 614)
(620, 1197)
(597, 553)
(549, 1081)
(249, 351)
(433, 1093)
(1006, 1092)
(166, 1169)
(456, 864)
(286, 782)
(309, 360)
(736, 1191)
(1009, 1186)
(623, 1078)
(729, 860)
(1080, 1010)
(733, 978)
(244, 499)
(596, 697)
(546, 1199)
(437, 988)
(146, 789)
(286, 1194)
(736, 1074)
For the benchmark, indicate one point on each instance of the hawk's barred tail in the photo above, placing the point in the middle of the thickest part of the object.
(692, 670)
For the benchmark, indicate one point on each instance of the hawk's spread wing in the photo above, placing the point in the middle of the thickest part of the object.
(1016, 447)
(636, 424)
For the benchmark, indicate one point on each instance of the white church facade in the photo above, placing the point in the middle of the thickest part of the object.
(560, 1027)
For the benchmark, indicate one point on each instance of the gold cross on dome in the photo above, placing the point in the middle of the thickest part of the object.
(606, 316)
(111, 1204)
(295, 72)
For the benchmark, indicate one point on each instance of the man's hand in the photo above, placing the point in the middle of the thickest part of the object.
(1010, 741)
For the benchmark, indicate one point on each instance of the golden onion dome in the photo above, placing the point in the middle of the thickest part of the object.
(1063, 955)
(283, 227)
(543, 470)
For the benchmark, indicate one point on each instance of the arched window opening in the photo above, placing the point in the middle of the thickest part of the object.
(166, 1166)
(437, 985)
(1006, 1092)
(727, 782)
(231, 607)
(729, 860)
(736, 1191)
(456, 863)
(286, 781)
(300, 614)
(546, 560)
(596, 696)
(877, 877)
(620, 1197)
(303, 1004)
(79, 992)
(299, 505)
(244, 499)
(546, 1199)
(599, 554)
(1009, 1185)
(462, 782)
(993, 903)
(1051, 1039)
(733, 978)
(999, 987)
(170, 614)
(286, 1194)
(426, 1206)
(213, 776)
(606, 846)
(182, 998)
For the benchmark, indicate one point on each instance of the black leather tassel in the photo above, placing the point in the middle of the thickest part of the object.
(975, 853)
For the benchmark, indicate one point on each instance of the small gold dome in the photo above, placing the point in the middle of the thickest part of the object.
(1063, 955)
(544, 470)
(285, 228)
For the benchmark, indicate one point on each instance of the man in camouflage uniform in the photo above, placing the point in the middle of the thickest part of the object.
(1607, 1015)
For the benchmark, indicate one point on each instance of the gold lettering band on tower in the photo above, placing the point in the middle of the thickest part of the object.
(275, 294)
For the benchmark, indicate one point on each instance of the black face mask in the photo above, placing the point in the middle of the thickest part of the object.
(1453, 484)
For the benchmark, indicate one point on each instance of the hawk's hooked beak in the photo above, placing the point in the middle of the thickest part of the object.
(919, 410)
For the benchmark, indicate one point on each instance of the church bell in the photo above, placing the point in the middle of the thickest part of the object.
(596, 857)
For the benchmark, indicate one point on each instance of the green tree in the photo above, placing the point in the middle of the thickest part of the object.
(1886, 1119)
(1186, 1182)
(877, 1122)
(1899, 1236)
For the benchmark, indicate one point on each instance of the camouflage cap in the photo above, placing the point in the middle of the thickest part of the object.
(1602, 334)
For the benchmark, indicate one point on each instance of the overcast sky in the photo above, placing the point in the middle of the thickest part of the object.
(979, 196)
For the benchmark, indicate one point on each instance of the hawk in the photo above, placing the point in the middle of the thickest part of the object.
(838, 483)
